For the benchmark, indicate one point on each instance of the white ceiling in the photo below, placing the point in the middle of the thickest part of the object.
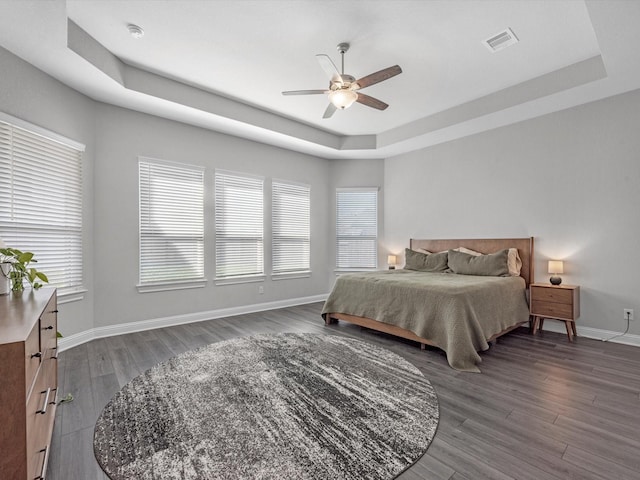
(222, 64)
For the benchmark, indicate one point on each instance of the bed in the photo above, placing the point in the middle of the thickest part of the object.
(460, 314)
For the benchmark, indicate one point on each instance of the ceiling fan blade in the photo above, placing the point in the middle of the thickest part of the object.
(331, 109)
(379, 76)
(371, 102)
(329, 67)
(304, 92)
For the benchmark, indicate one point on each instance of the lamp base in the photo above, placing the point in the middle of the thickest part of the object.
(391, 267)
(555, 280)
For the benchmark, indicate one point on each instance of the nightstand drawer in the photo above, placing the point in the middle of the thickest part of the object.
(550, 309)
(556, 295)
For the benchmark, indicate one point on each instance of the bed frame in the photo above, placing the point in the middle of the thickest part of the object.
(486, 245)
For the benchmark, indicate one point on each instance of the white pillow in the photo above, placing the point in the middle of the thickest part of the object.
(514, 263)
(422, 250)
(467, 251)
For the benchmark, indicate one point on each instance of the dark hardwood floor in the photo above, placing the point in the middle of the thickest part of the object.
(542, 408)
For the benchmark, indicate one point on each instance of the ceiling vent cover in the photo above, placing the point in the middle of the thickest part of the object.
(501, 40)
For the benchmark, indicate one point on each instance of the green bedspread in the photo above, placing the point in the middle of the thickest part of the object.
(457, 313)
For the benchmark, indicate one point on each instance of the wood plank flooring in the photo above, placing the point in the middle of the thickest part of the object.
(543, 408)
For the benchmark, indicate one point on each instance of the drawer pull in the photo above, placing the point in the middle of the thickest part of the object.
(50, 327)
(43, 469)
(53, 311)
(43, 410)
(36, 355)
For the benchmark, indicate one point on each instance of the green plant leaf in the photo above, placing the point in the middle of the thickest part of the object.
(59, 335)
(42, 277)
(25, 257)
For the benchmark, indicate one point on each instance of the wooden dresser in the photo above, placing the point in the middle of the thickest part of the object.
(28, 382)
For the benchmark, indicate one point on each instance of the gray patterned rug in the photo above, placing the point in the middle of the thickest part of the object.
(280, 406)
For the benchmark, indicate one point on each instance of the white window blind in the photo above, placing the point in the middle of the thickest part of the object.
(356, 228)
(171, 222)
(290, 224)
(239, 225)
(41, 202)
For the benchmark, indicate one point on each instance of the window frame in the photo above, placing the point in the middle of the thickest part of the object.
(257, 276)
(69, 222)
(303, 271)
(351, 268)
(145, 229)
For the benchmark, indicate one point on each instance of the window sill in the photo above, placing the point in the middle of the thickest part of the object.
(287, 276)
(239, 280)
(166, 286)
(69, 297)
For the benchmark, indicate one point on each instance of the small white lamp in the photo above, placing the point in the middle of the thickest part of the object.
(555, 267)
(391, 260)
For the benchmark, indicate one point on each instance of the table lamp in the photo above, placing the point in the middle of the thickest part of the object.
(555, 267)
(391, 260)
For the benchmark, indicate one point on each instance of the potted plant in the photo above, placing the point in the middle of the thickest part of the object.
(19, 269)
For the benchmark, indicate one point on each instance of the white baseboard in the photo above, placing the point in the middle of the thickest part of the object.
(597, 333)
(76, 339)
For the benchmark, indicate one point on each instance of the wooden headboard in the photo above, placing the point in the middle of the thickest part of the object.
(485, 245)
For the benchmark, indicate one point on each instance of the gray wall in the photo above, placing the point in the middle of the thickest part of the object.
(31, 95)
(115, 137)
(569, 179)
(355, 173)
(122, 136)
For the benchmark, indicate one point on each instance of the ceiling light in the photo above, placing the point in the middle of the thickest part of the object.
(135, 31)
(343, 98)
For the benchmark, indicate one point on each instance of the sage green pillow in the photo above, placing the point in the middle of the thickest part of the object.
(433, 262)
(494, 264)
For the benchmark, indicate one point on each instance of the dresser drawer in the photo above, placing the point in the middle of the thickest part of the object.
(32, 356)
(556, 295)
(40, 415)
(549, 309)
(48, 326)
(28, 372)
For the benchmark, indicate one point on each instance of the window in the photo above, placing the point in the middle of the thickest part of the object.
(41, 200)
(290, 223)
(239, 226)
(171, 222)
(356, 228)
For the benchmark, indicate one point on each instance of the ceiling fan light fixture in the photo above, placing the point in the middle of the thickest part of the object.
(343, 98)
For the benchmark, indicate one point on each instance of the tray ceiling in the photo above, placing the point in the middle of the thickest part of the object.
(223, 64)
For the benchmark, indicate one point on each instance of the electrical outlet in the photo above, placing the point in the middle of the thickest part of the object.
(628, 313)
(261, 290)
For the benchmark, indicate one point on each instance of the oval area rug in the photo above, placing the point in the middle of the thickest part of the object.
(273, 406)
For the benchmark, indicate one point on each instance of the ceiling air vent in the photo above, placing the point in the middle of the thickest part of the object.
(501, 40)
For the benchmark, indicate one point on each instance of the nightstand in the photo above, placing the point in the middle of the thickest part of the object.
(558, 302)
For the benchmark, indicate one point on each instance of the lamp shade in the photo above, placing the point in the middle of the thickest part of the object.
(391, 260)
(556, 266)
(342, 98)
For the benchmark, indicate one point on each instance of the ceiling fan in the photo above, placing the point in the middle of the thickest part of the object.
(344, 89)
